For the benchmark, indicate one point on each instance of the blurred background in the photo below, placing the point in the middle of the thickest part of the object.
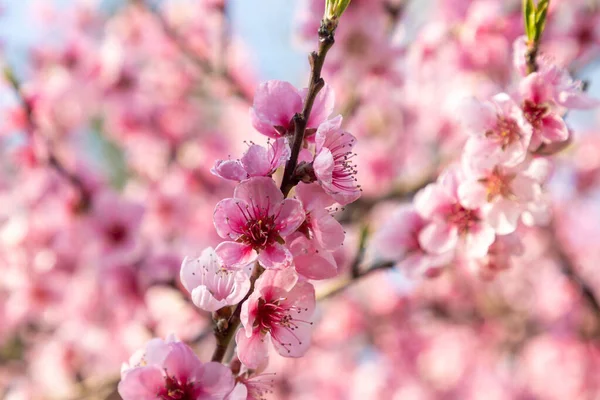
(113, 112)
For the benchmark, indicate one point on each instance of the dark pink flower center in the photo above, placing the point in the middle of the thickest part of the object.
(271, 316)
(116, 233)
(177, 390)
(259, 233)
(505, 133)
(463, 218)
(534, 113)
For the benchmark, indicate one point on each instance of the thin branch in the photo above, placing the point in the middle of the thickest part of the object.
(344, 284)
(317, 60)
(31, 129)
(225, 331)
(571, 271)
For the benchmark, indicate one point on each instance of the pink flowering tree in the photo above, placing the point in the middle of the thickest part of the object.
(418, 222)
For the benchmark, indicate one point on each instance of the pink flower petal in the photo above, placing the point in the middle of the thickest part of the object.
(275, 256)
(229, 218)
(275, 103)
(261, 193)
(291, 216)
(252, 351)
(236, 255)
(229, 169)
(141, 383)
(438, 237)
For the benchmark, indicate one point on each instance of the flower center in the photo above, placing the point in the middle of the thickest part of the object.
(534, 113)
(116, 233)
(271, 316)
(463, 218)
(505, 133)
(497, 184)
(259, 233)
(176, 390)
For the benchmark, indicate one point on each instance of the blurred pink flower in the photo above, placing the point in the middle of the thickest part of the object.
(449, 220)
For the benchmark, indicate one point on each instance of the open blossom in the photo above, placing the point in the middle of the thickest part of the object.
(169, 370)
(499, 132)
(503, 193)
(449, 220)
(398, 240)
(332, 165)
(278, 311)
(545, 95)
(276, 103)
(256, 161)
(256, 219)
(211, 285)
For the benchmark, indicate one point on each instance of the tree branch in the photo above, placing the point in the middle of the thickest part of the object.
(317, 60)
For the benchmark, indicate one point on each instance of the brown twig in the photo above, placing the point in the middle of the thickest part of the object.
(317, 60)
(225, 331)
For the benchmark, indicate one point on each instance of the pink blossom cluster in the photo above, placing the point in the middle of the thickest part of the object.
(290, 239)
(135, 104)
(475, 208)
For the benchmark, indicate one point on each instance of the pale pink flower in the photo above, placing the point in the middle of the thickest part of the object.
(256, 219)
(449, 220)
(398, 240)
(499, 132)
(332, 165)
(170, 370)
(276, 103)
(502, 193)
(278, 311)
(544, 97)
(211, 285)
(256, 161)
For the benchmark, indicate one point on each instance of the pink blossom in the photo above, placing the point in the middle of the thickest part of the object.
(256, 219)
(310, 260)
(319, 224)
(256, 161)
(502, 193)
(276, 103)
(117, 223)
(211, 285)
(332, 164)
(170, 370)
(499, 132)
(398, 240)
(544, 96)
(278, 311)
(449, 220)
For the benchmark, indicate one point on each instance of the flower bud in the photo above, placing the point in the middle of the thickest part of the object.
(335, 8)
